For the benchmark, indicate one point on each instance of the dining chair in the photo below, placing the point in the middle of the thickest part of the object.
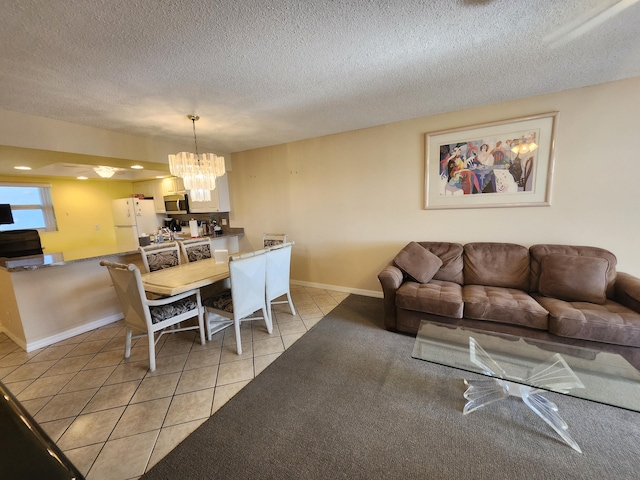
(196, 249)
(151, 317)
(271, 239)
(278, 276)
(247, 276)
(159, 256)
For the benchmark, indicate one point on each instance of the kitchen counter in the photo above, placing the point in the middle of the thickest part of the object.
(35, 262)
(51, 297)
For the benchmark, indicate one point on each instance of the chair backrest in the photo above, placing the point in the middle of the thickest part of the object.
(247, 274)
(196, 249)
(128, 285)
(159, 256)
(271, 239)
(278, 270)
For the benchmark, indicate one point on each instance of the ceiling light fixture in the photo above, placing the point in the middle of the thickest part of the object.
(137, 167)
(22, 167)
(106, 172)
(198, 171)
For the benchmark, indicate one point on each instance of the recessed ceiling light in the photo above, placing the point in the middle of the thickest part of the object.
(82, 178)
(137, 167)
(161, 176)
(22, 167)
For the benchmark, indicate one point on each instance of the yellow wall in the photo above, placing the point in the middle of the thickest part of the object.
(352, 200)
(79, 206)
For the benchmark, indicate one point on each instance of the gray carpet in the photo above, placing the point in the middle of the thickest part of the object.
(348, 401)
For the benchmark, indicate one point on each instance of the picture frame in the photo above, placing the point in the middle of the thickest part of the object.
(500, 164)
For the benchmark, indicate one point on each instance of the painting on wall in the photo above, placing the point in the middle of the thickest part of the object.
(500, 164)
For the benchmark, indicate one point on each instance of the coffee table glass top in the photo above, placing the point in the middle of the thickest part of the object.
(607, 377)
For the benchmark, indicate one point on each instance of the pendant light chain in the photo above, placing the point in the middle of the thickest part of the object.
(195, 140)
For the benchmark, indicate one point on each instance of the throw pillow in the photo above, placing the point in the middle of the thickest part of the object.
(574, 278)
(418, 262)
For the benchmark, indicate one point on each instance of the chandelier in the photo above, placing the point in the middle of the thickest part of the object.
(198, 171)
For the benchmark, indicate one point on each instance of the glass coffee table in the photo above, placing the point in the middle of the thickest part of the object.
(528, 368)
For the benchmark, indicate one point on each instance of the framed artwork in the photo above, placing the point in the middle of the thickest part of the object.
(499, 164)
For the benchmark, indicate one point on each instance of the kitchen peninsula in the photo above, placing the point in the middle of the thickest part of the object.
(51, 297)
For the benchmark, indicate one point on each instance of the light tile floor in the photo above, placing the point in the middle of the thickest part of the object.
(112, 417)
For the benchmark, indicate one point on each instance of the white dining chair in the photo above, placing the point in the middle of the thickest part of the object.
(278, 276)
(159, 256)
(271, 239)
(247, 276)
(151, 317)
(196, 249)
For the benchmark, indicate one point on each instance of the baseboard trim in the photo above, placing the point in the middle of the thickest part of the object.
(13, 338)
(357, 291)
(58, 337)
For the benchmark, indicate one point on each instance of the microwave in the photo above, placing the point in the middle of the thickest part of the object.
(176, 203)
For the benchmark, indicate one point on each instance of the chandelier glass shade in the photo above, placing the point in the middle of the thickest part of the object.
(198, 171)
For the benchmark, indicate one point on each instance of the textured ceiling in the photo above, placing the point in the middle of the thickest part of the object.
(267, 72)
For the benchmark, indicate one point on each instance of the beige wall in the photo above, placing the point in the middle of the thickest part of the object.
(352, 200)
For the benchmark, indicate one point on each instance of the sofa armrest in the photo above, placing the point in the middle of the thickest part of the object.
(627, 291)
(391, 277)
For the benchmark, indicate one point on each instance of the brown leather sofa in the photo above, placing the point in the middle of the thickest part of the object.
(562, 293)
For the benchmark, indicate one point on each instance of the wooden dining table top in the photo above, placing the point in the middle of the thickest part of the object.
(184, 277)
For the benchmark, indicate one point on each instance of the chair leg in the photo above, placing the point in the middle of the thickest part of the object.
(201, 323)
(293, 310)
(127, 342)
(236, 322)
(152, 352)
(267, 320)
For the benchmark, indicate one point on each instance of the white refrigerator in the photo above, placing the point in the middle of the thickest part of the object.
(132, 217)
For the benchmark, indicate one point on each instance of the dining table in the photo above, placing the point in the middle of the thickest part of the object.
(185, 277)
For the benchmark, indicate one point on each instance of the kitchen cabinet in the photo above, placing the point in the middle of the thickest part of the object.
(219, 202)
(172, 186)
(152, 189)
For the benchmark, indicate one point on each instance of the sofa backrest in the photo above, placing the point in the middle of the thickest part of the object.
(451, 256)
(497, 265)
(539, 252)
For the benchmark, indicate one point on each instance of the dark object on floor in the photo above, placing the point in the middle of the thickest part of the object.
(26, 451)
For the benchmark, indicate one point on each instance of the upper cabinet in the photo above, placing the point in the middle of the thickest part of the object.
(151, 189)
(158, 189)
(219, 199)
(172, 186)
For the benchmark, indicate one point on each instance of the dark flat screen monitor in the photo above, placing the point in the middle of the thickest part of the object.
(5, 214)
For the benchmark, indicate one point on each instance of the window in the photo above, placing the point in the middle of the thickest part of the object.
(31, 206)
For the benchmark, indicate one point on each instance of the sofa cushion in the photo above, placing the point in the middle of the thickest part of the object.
(451, 256)
(538, 252)
(497, 265)
(436, 297)
(504, 305)
(418, 262)
(609, 322)
(574, 278)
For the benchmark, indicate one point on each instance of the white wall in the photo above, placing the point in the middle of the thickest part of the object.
(352, 200)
